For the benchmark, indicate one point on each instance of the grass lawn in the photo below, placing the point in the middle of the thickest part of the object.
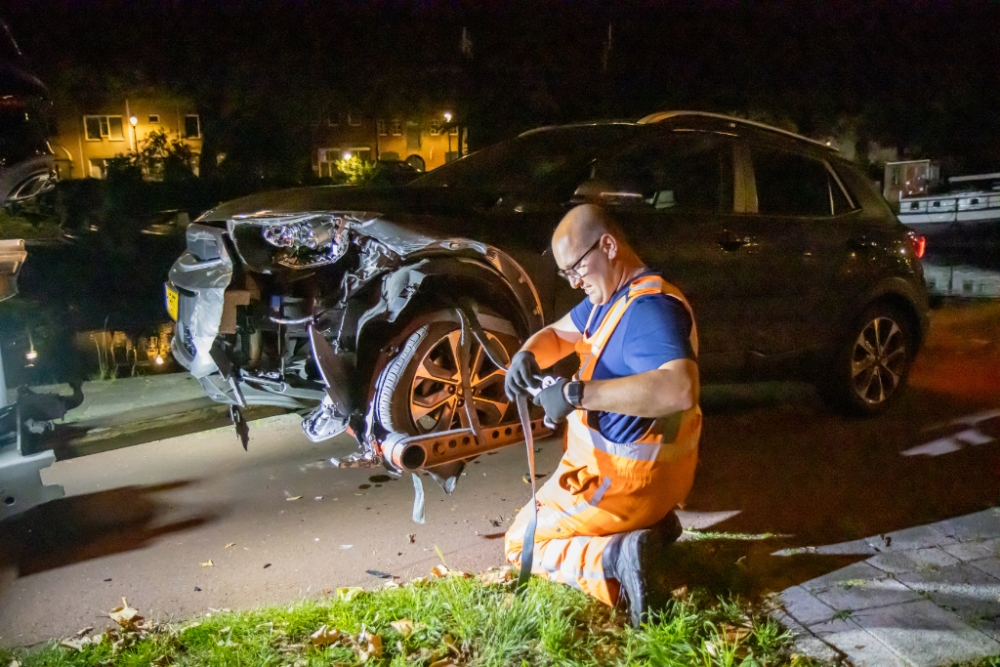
(453, 620)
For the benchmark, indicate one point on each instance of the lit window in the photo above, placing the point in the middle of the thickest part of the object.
(396, 128)
(101, 127)
(380, 126)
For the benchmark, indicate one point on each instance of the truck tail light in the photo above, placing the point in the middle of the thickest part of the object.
(919, 244)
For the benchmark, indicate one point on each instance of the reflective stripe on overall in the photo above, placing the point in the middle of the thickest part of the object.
(603, 489)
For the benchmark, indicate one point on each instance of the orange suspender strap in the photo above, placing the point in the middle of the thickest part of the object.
(641, 287)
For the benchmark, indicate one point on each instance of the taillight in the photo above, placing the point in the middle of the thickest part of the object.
(919, 244)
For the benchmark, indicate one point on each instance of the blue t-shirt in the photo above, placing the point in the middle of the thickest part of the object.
(655, 329)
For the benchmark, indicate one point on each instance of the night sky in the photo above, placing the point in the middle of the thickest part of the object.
(922, 76)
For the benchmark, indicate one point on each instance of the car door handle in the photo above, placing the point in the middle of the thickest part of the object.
(731, 242)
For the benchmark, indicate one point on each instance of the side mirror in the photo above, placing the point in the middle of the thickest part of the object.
(600, 192)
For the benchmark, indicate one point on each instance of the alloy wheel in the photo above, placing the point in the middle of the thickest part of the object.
(878, 360)
(437, 398)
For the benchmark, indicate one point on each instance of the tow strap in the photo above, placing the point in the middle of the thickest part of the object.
(528, 544)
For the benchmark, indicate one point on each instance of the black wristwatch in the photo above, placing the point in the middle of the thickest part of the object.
(573, 391)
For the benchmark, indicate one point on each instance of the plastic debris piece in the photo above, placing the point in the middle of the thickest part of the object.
(294, 498)
(346, 546)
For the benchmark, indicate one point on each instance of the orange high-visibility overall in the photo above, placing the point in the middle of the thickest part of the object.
(604, 489)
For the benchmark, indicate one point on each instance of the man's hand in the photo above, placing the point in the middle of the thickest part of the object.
(553, 400)
(521, 375)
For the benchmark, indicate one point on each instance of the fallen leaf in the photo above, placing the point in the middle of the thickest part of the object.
(418, 580)
(325, 636)
(680, 593)
(85, 631)
(79, 643)
(444, 662)
(735, 634)
(348, 593)
(496, 575)
(411, 538)
(439, 571)
(391, 584)
(403, 626)
(208, 563)
(379, 573)
(326, 591)
(367, 645)
(294, 498)
(127, 617)
(231, 544)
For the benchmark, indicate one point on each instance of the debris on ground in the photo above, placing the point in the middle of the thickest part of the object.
(208, 563)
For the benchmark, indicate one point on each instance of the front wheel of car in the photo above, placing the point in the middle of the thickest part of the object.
(872, 364)
(421, 389)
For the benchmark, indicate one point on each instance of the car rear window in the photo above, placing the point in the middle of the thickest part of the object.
(789, 184)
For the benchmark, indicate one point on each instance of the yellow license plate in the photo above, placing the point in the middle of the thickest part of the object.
(173, 301)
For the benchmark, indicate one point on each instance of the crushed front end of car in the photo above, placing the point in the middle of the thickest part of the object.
(339, 314)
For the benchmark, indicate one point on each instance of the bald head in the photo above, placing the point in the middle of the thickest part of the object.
(582, 227)
(590, 242)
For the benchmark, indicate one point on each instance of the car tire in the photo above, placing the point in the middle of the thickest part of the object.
(419, 391)
(871, 365)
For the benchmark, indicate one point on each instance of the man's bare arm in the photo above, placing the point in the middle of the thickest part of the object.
(671, 388)
(554, 342)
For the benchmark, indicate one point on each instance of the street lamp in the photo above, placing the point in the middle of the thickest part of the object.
(133, 121)
(447, 116)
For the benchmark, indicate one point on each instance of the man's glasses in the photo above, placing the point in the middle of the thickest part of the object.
(571, 273)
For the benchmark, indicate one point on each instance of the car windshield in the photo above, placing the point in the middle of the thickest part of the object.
(537, 161)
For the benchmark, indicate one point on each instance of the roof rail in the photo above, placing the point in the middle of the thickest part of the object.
(665, 115)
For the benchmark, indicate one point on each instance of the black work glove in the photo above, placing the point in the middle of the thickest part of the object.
(554, 402)
(521, 375)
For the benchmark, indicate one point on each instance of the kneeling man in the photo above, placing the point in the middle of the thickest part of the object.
(606, 514)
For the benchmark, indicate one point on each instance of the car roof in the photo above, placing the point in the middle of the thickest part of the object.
(709, 118)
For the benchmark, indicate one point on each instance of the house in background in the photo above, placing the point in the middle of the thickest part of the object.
(425, 143)
(86, 138)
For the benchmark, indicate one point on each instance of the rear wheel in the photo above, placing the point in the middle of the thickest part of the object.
(871, 367)
(421, 391)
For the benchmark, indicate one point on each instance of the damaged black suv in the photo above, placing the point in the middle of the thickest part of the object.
(391, 313)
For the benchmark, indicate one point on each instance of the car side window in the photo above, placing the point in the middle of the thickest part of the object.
(795, 185)
(677, 172)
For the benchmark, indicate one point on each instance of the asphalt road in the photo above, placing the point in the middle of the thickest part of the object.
(279, 524)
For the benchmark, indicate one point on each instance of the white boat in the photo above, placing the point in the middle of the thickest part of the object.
(974, 202)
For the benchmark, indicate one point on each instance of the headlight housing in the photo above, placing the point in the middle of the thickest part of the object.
(302, 240)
